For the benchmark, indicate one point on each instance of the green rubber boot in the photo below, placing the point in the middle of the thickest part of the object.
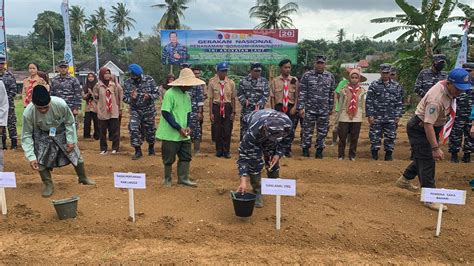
(183, 174)
(255, 181)
(167, 180)
(81, 173)
(273, 174)
(48, 183)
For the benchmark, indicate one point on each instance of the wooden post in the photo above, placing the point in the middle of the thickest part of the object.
(131, 204)
(3, 200)
(278, 212)
(440, 216)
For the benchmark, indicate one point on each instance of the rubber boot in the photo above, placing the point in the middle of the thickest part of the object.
(375, 155)
(151, 149)
(257, 189)
(466, 158)
(388, 156)
(273, 174)
(197, 147)
(81, 173)
(167, 180)
(4, 141)
(14, 143)
(454, 157)
(48, 183)
(138, 153)
(183, 174)
(305, 152)
(319, 153)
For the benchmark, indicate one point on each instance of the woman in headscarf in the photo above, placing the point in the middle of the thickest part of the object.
(30, 82)
(91, 107)
(107, 96)
(351, 113)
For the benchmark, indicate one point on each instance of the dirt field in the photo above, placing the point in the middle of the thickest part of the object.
(344, 212)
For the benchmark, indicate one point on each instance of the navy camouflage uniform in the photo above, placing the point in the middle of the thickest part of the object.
(10, 86)
(142, 112)
(69, 89)
(427, 78)
(317, 99)
(385, 104)
(462, 124)
(197, 100)
(256, 91)
(268, 134)
(168, 54)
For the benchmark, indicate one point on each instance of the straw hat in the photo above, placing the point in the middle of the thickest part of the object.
(187, 79)
(347, 76)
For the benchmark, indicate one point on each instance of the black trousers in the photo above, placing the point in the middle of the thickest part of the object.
(113, 127)
(351, 129)
(293, 118)
(423, 164)
(222, 127)
(89, 118)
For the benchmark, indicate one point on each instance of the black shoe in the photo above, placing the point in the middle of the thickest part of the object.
(454, 157)
(4, 142)
(151, 149)
(219, 154)
(388, 156)
(305, 152)
(138, 153)
(375, 155)
(226, 155)
(466, 158)
(14, 144)
(319, 153)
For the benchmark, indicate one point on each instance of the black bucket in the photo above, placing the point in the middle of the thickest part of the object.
(243, 203)
(66, 208)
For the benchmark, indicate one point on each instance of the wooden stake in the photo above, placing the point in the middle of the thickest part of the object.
(278, 212)
(440, 216)
(3, 200)
(131, 204)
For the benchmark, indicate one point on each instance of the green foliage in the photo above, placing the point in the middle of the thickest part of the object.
(273, 15)
(171, 19)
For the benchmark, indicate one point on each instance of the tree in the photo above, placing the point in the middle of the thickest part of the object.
(424, 25)
(77, 17)
(273, 15)
(174, 12)
(121, 20)
(49, 24)
(469, 18)
(102, 23)
(341, 34)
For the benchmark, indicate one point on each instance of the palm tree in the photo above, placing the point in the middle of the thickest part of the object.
(102, 22)
(424, 25)
(77, 17)
(341, 34)
(174, 11)
(93, 25)
(46, 24)
(121, 20)
(272, 15)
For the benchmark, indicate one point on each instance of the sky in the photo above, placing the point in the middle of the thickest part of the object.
(316, 18)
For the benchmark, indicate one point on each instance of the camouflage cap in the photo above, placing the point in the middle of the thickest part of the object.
(62, 63)
(278, 125)
(439, 58)
(320, 58)
(3, 59)
(256, 66)
(385, 68)
(468, 66)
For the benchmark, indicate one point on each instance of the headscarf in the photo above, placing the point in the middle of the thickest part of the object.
(354, 90)
(90, 84)
(102, 73)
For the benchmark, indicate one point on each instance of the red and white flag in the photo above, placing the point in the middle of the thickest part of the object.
(94, 40)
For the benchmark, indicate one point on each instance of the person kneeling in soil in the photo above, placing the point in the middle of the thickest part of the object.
(174, 131)
(268, 135)
(49, 138)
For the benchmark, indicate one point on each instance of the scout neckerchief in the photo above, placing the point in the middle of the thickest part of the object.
(444, 134)
(108, 100)
(285, 94)
(352, 108)
(221, 92)
(29, 92)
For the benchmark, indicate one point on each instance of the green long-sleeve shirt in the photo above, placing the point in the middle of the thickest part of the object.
(57, 114)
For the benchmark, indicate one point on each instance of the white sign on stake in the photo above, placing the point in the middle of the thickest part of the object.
(442, 196)
(130, 181)
(278, 187)
(7, 179)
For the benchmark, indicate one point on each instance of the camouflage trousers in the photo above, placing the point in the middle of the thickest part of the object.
(1, 155)
(385, 130)
(310, 121)
(142, 122)
(195, 125)
(461, 128)
(12, 123)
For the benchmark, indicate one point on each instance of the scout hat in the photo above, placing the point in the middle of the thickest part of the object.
(40, 96)
(187, 79)
(62, 63)
(460, 79)
(347, 74)
(385, 68)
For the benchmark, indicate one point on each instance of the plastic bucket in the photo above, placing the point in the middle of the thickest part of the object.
(66, 208)
(243, 203)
